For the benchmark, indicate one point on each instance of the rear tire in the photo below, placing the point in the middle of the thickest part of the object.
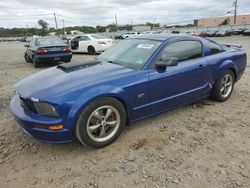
(101, 122)
(35, 63)
(223, 87)
(91, 50)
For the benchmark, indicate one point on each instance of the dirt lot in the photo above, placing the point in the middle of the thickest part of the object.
(205, 145)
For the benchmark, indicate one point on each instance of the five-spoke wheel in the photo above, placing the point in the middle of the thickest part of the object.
(223, 87)
(101, 122)
(226, 85)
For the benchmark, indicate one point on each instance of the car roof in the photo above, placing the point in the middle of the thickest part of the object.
(164, 37)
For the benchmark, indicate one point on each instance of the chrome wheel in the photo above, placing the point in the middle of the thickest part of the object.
(226, 85)
(103, 123)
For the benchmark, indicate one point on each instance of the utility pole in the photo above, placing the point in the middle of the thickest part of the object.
(116, 23)
(235, 11)
(55, 21)
(63, 27)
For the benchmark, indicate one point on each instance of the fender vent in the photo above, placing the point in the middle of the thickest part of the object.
(69, 67)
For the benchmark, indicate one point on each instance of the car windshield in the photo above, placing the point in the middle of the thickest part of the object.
(98, 37)
(131, 53)
(50, 41)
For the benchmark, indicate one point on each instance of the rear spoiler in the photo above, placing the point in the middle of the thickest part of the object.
(232, 45)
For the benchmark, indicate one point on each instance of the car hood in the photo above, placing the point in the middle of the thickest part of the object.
(58, 81)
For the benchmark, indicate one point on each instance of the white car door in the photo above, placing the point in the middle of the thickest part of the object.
(84, 42)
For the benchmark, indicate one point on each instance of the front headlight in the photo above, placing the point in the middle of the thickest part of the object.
(45, 109)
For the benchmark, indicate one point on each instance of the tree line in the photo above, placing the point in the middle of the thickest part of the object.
(44, 29)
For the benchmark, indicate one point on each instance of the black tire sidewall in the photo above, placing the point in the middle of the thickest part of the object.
(35, 63)
(216, 94)
(27, 58)
(91, 50)
(81, 124)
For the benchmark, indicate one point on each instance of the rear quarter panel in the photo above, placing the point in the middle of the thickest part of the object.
(234, 60)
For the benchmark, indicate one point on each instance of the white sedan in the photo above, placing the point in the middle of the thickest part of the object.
(128, 35)
(90, 43)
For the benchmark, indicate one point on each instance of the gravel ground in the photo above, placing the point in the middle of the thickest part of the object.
(203, 145)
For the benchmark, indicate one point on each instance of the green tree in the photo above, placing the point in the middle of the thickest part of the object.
(100, 28)
(152, 25)
(225, 22)
(44, 25)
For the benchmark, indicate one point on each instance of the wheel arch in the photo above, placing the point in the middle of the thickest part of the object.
(90, 46)
(228, 65)
(90, 96)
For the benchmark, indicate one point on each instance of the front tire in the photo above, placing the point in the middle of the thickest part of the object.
(27, 58)
(101, 122)
(223, 87)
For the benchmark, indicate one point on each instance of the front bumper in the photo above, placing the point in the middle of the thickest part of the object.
(30, 121)
(50, 58)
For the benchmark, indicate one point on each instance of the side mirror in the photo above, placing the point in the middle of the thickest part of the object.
(166, 62)
(26, 45)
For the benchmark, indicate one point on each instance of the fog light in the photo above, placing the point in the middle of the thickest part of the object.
(55, 127)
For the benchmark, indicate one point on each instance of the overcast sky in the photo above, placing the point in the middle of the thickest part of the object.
(25, 13)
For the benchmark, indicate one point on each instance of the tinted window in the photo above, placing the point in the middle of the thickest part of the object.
(49, 41)
(214, 48)
(183, 50)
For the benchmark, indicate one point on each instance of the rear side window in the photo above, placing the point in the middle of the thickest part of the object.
(214, 48)
(183, 50)
(83, 38)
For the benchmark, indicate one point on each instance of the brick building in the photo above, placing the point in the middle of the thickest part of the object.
(206, 22)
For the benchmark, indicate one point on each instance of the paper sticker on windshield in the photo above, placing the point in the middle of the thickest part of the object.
(145, 46)
(139, 61)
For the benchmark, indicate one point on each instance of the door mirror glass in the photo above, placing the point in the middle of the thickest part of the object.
(164, 62)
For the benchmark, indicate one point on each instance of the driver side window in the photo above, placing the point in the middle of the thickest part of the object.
(183, 50)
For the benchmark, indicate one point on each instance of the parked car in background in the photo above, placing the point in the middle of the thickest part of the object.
(191, 32)
(130, 34)
(175, 32)
(201, 34)
(90, 43)
(134, 79)
(47, 50)
(224, 33)
(118, 37)
(237, 31)
(151, 32)
(220, 33)
(246, 32)
(212, 33)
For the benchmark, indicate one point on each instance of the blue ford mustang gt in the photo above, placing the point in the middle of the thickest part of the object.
(134, 79)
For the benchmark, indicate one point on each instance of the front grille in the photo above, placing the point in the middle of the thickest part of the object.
(28, 105)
